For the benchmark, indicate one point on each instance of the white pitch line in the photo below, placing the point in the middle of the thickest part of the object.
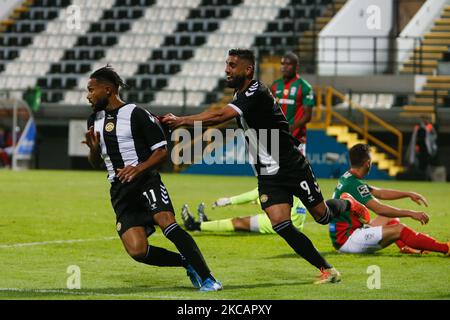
(85, 293)
(44, 243)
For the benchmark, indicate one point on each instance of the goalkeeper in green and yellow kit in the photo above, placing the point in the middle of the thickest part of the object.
(256, 223)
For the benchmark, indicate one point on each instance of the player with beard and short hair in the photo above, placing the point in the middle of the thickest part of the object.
(131, 144)
(280, 176)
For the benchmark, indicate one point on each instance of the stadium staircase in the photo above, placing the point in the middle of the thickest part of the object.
(357, 129)
(424, 60)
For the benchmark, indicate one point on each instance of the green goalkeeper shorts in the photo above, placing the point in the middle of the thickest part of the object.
(261, 223)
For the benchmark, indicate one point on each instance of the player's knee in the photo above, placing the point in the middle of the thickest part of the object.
(240, 224)
(393, 221)
(164, 219)
(137, 251)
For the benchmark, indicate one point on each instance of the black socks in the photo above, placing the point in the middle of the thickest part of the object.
(301, 244)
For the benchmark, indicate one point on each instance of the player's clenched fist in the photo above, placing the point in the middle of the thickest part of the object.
(92, 139)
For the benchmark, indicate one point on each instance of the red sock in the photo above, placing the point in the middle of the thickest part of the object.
(422, 241)
(400, 244)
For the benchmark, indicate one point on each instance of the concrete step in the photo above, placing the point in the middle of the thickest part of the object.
(443, 28)
(323, 19)
(336, 130)
(437, 85)
(423, 70)
(442, 42)
(440, 22)
(386, 164)
(431, 48)
(426, 55)
(344, 138)
(427, 101)
(441, 79)
(393, 171)
(419, 108)
(437, 35)
(431, 93)
(423, 62)
(378, 157)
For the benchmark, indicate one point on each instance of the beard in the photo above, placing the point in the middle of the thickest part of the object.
(101, 104)
(236, 82)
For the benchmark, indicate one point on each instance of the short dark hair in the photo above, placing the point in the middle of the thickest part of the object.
(359, 154)
(245, 54)
(292, 56)
(108, 74)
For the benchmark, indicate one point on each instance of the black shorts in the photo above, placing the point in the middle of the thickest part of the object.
(135, 203)
(300, 182)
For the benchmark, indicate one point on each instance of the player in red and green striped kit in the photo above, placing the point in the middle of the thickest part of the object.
(295, 97)
(349, 235)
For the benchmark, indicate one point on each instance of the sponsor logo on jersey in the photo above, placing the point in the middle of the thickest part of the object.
(286, 101)
(301, 210)
(118, 226)
(363, 190)
(109, 127)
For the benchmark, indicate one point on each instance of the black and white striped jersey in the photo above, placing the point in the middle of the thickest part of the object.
(128, 136)
(272, 147)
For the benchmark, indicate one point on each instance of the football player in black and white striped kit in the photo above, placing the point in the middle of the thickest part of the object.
(131, 144)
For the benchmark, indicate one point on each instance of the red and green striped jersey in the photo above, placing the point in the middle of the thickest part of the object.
(292, 96)
(342, 227)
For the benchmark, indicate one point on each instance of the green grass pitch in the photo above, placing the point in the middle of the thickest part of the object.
(41, 210)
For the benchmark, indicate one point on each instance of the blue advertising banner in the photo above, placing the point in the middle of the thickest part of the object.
(26, 142)
(328, 158)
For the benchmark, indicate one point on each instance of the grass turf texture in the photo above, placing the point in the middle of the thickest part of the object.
(46, 206)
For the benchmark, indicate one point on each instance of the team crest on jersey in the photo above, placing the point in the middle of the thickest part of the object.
(293, 90)
(109, 127)
(285, 92)
(263, 198)
(118, 226)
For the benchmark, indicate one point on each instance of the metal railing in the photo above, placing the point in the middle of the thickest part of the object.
(363, 130)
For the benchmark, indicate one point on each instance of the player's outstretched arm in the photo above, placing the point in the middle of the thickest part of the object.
(208, 118)
(391, 194)
(392, 212)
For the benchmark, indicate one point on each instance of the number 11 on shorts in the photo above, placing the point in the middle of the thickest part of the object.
(152, 194)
